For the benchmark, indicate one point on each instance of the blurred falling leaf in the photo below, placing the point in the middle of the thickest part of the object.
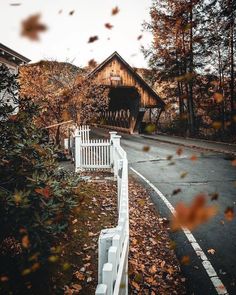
(71, 12)
(179, 151)
(211, 251)
(53, 258)
(176, 191)
(26, 271)
(60, 11)
(4, 279)
(193, 215)
(31, 27)
(233, 162)
(193, 158)
(150, 128)
(115, 10)
(25, 241)
(185, 260)
(146, 148)
(15, 4)
(169, 157)
(229, 213)
(92, 39)
(35, 266)
(139, 37)
(92, 63)
(216, 125)
(66, 266)
(183, 174)
(108, 26)
(218, 97)
(214, 196)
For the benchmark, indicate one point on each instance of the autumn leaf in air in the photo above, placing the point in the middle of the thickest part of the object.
(193, 215)
(31, 27)
(108, 26)
(193, 158)
(92, 63)
(140, 37)
(229, 213)
(185, 260)
(218, 97)
(233, 162)
(115, 10)
(25, 241)
(92, 39)
(146, 148)
(179, 151)
(71, 12)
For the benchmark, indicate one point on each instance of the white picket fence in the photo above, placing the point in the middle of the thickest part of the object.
(83, 132)
(113, 245)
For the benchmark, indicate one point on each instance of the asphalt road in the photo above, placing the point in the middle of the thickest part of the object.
(211, 172)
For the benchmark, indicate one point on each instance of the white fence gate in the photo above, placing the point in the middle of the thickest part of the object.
(113, 245)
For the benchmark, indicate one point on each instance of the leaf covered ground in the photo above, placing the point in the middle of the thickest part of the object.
(153, 267)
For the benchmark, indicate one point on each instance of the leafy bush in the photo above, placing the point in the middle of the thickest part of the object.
(35, 200)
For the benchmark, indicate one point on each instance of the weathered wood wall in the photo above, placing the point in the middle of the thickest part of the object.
(115, 73)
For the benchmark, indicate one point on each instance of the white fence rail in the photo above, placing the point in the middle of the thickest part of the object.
(113, 244)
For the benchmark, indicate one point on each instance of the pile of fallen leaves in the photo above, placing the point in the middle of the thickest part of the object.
(153, 266)
(79, 248)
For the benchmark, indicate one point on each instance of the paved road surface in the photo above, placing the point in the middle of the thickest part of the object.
(211, 172)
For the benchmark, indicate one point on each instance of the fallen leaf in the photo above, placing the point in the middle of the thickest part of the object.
(76, 287)
(211, 251)
(31, 27)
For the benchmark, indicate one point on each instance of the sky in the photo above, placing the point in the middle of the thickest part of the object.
(67, 36)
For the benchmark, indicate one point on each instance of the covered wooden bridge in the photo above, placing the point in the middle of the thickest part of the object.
(130, 96)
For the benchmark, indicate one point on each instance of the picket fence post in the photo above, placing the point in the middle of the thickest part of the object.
(77, 150)
(116, 144)
(112, 134)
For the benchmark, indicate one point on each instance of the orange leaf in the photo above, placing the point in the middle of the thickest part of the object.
(115, 10)
(193, 215)
(146, 148)
(218, 97)
(233, 162)
(25, 241)
(31, 27)
(193, 158)
(185, 260)
(229, 213)
(44, 191)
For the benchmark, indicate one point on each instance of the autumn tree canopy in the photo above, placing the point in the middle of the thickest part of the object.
(62, 92)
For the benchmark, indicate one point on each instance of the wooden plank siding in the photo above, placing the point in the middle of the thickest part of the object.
(115, 67)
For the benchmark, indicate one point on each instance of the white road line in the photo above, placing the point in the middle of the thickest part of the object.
(219, 286)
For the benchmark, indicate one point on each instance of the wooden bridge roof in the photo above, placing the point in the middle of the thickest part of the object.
(152, 99)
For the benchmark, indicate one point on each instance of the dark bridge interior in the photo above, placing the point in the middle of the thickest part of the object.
(123, 106)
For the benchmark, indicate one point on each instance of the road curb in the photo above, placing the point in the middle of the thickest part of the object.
(191, 146)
